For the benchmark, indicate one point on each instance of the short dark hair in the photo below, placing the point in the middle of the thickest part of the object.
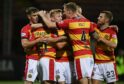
(71, 6)
(108, 14)
(31, 10)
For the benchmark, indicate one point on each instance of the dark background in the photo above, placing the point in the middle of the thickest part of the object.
(13, 18)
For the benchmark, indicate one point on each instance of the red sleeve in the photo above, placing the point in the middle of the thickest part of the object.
(93, 26)
(25, 32)
(63, 24)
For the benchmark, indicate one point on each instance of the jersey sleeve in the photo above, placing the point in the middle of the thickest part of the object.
(93, 27)
(114, 38)
(24, 33)
(63, 24)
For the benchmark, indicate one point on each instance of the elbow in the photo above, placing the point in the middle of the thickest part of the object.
(114, 46)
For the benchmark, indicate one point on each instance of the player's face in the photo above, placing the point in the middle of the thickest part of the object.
(33, 18)
(101, 19)
(57, 17)
(66, 12)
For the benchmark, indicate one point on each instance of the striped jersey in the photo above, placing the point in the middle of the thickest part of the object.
(64, 54)
(105, 53)
(40, 49)
(26, 34)
(44, 50)
(79, 30)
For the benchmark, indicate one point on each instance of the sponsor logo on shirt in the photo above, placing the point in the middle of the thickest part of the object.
(23, 34)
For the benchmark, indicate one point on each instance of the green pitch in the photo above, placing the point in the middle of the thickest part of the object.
(21, 82)
(14, 82)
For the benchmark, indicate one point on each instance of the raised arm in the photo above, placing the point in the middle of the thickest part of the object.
(37, 25)
(46, 20)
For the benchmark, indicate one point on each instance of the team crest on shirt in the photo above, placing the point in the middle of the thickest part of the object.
(23, 34)
(106, 37)
(29, 75)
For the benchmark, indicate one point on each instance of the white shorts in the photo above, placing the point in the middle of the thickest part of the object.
(105, 71)
(47, 69)
(65, 72)
(31, 70)
(84, 67)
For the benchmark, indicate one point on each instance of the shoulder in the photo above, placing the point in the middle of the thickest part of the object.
(26, 27)
(114, 28)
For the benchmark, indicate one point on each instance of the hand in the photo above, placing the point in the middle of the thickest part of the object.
(40, 39)
(27, 50)
(49, 40)
(42, 13)
(100, 39)
(96, 35)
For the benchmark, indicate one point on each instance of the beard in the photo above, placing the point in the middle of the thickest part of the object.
(100, 23)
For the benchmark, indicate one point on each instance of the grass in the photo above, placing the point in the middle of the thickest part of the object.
(15, 82)
(21, 82)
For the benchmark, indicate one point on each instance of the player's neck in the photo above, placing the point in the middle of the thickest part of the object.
(102, 27)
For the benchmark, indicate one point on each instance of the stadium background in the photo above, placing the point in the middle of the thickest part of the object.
(12, 19)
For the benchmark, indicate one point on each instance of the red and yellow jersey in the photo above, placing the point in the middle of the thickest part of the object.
(105, 53)
(37, 50)
(26, 34)
(79, 32)
(64, 54)
(44, 50)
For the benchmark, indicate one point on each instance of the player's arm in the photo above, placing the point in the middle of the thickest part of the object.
(37, 25)
(57, 39)
(110, 43)
(61, 44)
(28, 44)
(94, 31)
(47, 21)
(95, 35)
(98, 36)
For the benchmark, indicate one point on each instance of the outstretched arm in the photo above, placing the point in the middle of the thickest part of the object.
(46, 20)
(37, 25)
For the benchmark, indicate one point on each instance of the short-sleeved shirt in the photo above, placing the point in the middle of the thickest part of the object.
(40, 49)
(45, 50)
(64, 54)
(79, 30)
(26, 34)
(105, 53)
